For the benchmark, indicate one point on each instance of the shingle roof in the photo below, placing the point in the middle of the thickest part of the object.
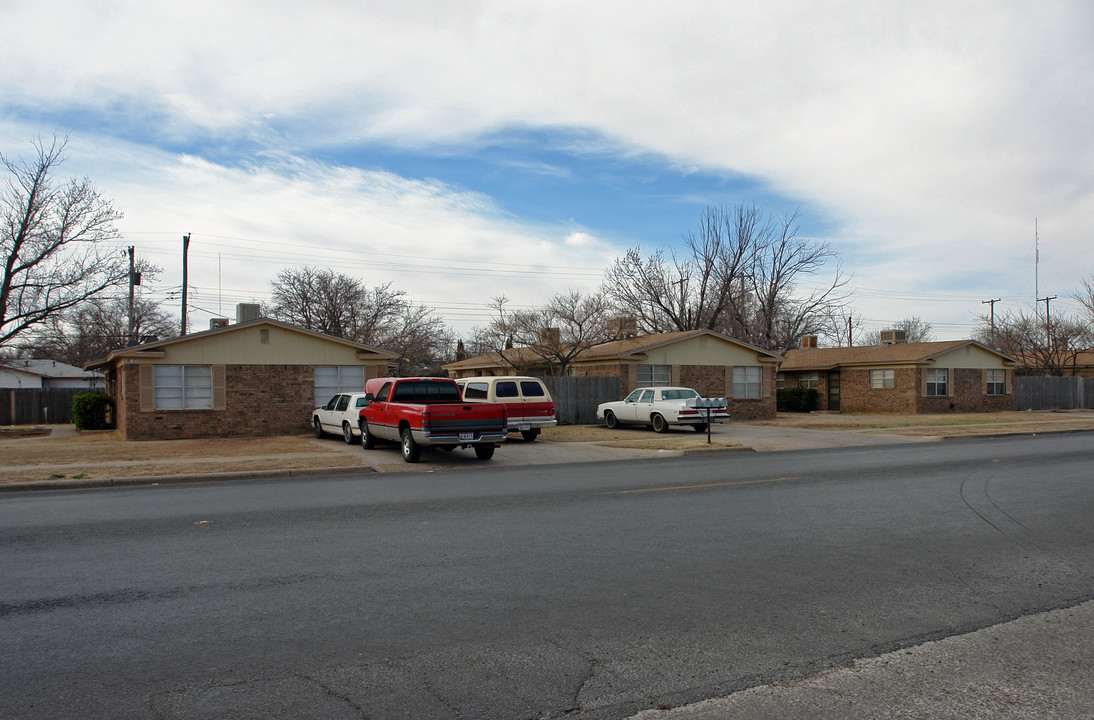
(899, 353)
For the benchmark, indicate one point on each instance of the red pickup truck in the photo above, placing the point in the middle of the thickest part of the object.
(417, 412)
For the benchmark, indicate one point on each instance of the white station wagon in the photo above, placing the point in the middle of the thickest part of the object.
(661, 407)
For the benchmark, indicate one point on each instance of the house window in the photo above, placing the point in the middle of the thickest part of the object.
(995, 382)
(809, 380)
(936, 383)
(747, 382)
(880, 379)
(333, 379)
(183, 387)
(652, 375)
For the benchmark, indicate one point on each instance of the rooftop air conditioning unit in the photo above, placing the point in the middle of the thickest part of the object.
(246, 312)
(894, 337)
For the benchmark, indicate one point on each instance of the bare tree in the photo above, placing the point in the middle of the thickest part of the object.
(557, 333)
(915, 330)
(1042, 347)
(1085, 296)
(341, 306)
(92, 330)
(740, 276)
(52, 243)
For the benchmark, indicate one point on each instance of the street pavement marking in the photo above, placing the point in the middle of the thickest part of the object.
(704, 485)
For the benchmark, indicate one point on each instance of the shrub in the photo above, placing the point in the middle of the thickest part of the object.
(796, 399)
(90, 410)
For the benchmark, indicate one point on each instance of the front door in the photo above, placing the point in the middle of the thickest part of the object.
(833, 391)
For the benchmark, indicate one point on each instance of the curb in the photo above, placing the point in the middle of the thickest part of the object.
(1024, 433)
(179, 479)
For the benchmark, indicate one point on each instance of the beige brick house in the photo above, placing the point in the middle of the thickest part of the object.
(710, 362)
(255, 378)
(909, 378)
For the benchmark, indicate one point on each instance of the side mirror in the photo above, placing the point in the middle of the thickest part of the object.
(369, 398)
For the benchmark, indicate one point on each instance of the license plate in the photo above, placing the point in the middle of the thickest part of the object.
(524, 426)
(467, 437)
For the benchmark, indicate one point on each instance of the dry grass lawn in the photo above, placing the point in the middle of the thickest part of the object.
(104, 455)
(951, 425)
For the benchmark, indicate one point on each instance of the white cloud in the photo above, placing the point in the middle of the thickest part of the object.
(930, 132)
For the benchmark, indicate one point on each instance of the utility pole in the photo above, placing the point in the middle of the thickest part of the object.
(129, 339)
(1048, 325)
(992, 303)
(185, 278)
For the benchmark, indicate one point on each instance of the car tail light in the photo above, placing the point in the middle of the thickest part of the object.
(425, 420)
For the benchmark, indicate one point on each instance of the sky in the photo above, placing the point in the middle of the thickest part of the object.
(468, 150)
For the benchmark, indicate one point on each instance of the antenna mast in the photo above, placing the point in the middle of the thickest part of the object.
(1036, 262)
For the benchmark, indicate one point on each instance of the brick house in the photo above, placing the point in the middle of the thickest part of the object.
(904, 378)
(255, 378)
(710, 362)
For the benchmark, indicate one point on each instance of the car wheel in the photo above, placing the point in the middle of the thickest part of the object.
(347, 433)
(610, 421)
(318, 427)
(700, 427)
(484, 452)
(529, 435)
(659, 424)
(367, 440)
(411, 450)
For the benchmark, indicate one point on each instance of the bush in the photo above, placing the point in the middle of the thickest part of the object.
(796, 399)
(89, 411)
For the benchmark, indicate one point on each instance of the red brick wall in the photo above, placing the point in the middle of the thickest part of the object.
(856, 395)
(967, 395)
(261, 400)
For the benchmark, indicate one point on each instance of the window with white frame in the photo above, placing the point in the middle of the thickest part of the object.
(936, 382)
(333, 379)
(653, 375)
(995, 382)
(880, 379)
(183, 387)
(809, 380)
(747, 382)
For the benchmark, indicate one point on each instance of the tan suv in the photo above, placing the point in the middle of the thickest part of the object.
(526, 399)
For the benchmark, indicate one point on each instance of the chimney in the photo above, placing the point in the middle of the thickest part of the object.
(217, 323)
(622, 328)
(894, 337)
(809, 341)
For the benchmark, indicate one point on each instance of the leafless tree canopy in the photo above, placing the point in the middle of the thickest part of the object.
(742, 275)
(341, 306)
(1042, 346)
(554, 334)
(915, 330)
(93, 329)
(51, 243)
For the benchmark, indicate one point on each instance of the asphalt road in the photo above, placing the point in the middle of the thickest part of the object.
(601, 589)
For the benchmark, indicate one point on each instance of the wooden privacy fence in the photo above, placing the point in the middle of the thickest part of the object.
(576, 398)
(34, 406)
(1053, 393)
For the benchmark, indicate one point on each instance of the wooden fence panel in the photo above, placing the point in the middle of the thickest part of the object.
(34, 406)
(1053, 393)
(576, 398)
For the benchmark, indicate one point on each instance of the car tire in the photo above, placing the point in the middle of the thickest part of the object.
(610, 420)
(367, 440)
(700, 427)
(318, 428)
(484, 452)
(529, 435)
(659, 424)
(411, 450)
(347, 433)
